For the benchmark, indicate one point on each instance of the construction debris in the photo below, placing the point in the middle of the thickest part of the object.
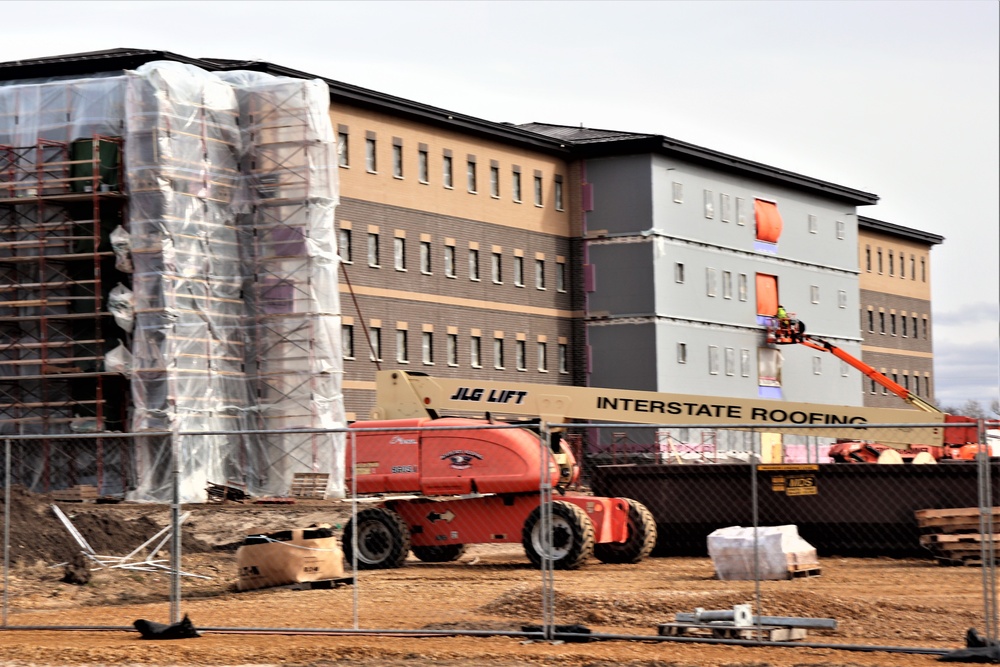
(740, 623)
(772, 552)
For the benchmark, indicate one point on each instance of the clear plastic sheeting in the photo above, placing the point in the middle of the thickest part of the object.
(289, 165)
(230, 242)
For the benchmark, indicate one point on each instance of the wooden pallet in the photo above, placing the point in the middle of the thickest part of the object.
(220, 493)
(771, 633)
(309, 485)
(81, 493)
(953, 535)
(801, 570)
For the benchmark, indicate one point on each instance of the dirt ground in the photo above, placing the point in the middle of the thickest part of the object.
(876, 602)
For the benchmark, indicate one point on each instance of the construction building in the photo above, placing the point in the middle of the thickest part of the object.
(896, 319)
(468, 248)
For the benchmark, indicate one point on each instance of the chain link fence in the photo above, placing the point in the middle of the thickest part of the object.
(470, 528)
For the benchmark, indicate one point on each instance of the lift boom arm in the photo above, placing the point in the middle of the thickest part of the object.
(402, 395)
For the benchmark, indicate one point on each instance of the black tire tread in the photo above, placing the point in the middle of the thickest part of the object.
(640, 543)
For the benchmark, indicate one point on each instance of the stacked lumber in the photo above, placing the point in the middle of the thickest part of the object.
(220, 493)
(954, 535)
(81, 493)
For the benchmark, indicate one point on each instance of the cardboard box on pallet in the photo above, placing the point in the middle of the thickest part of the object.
(289, 557)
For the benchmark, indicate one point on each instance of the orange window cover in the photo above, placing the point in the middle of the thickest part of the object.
(767, 294)
(768, 221)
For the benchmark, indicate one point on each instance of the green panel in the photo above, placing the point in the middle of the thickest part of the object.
(82, 155)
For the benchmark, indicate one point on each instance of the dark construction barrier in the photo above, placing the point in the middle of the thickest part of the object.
(841, 509)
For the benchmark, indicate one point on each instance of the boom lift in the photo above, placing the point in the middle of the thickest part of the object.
(959, 442)
(443, 489)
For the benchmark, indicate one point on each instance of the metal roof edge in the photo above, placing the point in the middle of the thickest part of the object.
(667, 146)
(899, 230)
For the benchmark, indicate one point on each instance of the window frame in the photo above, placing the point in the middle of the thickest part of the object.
(449, 262)
(371, 155)
(402, 346)
(427, 347)
(426, 266)
(374, 257)
(344, 245)
(399, 253)
(474, 264)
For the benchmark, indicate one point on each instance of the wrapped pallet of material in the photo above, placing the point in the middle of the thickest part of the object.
(780, 552)
(288, 557)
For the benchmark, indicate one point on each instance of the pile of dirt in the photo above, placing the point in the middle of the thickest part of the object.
(37, 534)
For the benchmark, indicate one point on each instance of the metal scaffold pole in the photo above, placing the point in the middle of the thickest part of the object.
(546, 539)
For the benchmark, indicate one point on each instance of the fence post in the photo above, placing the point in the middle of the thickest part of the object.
(754, 460)
(545, 534)
(354, 523)
(6, 527)
(987, 549)
(175, 525)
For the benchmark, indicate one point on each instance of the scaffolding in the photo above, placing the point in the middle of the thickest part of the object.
(205, 207)
(59, 199)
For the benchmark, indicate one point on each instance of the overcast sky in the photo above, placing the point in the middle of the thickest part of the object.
(895, 98)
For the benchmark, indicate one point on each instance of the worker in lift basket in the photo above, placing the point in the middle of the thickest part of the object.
(795, 328)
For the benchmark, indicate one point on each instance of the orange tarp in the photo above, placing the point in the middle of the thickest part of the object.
(767, 294)
(768, 221)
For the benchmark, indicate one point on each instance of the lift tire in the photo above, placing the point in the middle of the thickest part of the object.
(640, 541)
(572, 536)
(445, 553)
(383, 539)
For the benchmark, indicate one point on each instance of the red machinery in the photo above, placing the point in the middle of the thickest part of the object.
(478, 486)
(960, 438)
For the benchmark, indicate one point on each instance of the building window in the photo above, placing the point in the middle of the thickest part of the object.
(813, 224)
(743, 287)
(915, 333)
(560, 276)
(892, 324)
(725, 208)
(399, 253)
(840, 229)
(902, 265)
(679, 273)
(498, 353)
(519, 355)
(868, 258)
(447, 172)
(892, 264)
(814, 293)
(745, 363)
(881, 322)
(730, 361)
(540, 274)
(402, 354)
(902, 325)
(559, 193)
(678, 192)
(470, 171)
(817, 366)
(495, 182)
(925, 328)
(425, 257)
(841, 299)
(347, 340)
(427, 347)
(397, 160)
(344, 245)
(343, 157)
(373, 250)
(370, 163)
(874, 386)
(375, 343)
(713, 360)
(727, 284)
(473, 264)
(709, 204)
(519, 271)
(452, 343)
(496, 268)
(449, 261)
(923, 270)
(563, 358)
(913, 271)
(543, 360)
(538, 190)
(879, 254)
(871, 321)
(906, 382)
(516, 185)
(741, 211)
(710, 281)
(475, 351)
(423, 169)
(682, 353)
